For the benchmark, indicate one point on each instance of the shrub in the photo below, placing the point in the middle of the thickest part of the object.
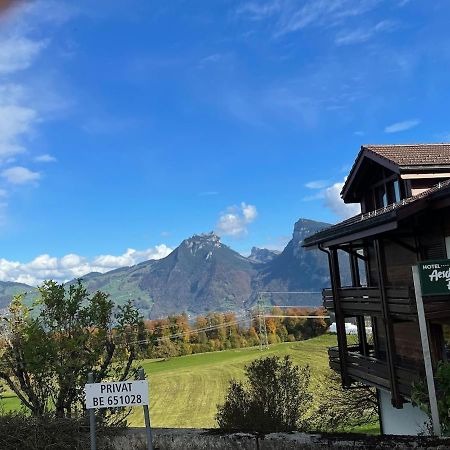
(24, 432)
(339, 409)
(419, 395)
(274, 397)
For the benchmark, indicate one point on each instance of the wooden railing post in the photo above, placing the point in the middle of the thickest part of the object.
(340, 319)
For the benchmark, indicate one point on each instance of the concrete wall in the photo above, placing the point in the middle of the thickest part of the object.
(197, 439)
(409, 420)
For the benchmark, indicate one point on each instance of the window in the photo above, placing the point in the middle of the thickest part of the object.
(380, 197)
(397, 195)
(447, 245)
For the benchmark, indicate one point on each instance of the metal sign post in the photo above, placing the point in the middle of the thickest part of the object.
(426, 352)
(92, 418)
(148, 428)
(118, 394)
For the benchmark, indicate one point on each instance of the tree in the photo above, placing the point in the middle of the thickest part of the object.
(165, 349)
(48, 352)
(338, 409)
(274, 397)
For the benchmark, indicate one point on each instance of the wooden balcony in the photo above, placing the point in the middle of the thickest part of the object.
(372, 371)
(367, 301)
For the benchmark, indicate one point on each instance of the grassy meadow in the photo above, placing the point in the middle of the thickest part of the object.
(185, 390)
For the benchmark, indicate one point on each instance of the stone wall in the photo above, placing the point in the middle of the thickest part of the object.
(198, 439)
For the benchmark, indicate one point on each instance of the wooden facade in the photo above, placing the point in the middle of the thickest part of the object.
(405, 219)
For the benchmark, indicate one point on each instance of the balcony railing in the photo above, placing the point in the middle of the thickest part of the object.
(373, 371)
(367, 300)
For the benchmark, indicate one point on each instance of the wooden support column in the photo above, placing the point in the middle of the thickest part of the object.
(356, 282)
(340, 319)
(396, 398)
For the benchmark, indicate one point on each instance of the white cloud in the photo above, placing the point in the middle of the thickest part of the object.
(234, 221)
(290, 16)
(258, 11)
(18, 53)
(70, 266)
(46, 158)
(359, 35)
(131, 257)
(249, 212)
(354, 36)
(333, 201)
(317, 184)
(20, 175)
(16, 122)
(26, 103)
(402, 126)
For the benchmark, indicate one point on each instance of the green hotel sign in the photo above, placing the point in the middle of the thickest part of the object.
(435, 277)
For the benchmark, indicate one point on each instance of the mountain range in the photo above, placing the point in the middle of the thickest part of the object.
(202, 274)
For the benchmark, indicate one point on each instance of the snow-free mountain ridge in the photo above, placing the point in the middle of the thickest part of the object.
(202, 274)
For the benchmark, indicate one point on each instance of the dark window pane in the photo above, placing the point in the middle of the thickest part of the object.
(397, 191)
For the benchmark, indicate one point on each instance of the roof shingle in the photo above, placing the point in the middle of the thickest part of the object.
(413, 154)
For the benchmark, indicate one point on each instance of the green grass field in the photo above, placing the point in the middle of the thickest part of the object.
(185, 390)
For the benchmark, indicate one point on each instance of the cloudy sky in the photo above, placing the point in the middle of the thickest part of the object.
(126, 127)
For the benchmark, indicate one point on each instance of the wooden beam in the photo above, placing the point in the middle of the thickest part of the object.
(403, 244)
(371, 231)
(340, 318)
(396, 398)
(351, 251)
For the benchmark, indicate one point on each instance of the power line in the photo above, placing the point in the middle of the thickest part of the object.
(292, 306)
(299, 317)
(194, 331)
(289, 292)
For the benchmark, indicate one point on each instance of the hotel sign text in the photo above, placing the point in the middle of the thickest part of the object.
(435, 277)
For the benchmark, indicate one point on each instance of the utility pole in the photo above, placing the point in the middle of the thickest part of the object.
(263, 340)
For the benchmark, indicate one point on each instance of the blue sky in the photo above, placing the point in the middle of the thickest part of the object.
(133, 125)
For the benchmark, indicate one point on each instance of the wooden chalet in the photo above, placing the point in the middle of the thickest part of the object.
(404, 193)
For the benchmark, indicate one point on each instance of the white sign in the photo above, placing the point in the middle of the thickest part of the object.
(116, 394)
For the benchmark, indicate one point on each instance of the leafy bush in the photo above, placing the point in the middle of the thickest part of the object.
(419, 395)
(339, 409)
(20, 431)
(274, 397)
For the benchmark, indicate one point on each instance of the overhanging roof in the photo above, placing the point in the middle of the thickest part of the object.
(400, 158)
(375, 222)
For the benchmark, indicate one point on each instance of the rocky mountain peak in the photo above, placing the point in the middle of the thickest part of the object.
(262, 255)
(302, 229)
(204, 241)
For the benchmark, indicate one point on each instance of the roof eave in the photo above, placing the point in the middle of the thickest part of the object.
(425, 168)
(369, 154)
(358, 229)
